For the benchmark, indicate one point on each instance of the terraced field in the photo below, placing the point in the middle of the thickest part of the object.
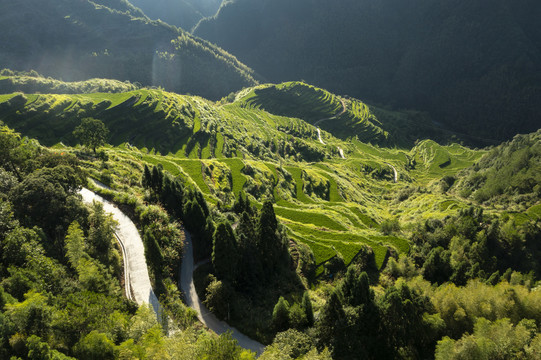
(333, 205)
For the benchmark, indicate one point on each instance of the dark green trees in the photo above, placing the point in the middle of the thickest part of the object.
(91, 133)
(271, 247)
(306, 305)
(224, 252)
(280, 315)
(349, 323)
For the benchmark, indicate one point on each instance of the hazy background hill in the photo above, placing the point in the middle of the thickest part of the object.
(474, 65)
(77, 40)
(183, 13)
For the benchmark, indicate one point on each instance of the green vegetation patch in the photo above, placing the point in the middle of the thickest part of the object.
(193, 168)
(6, 97)
(236, 165)
(309, 217)
(322, 253)
(402, 245)
(218, 149)
(367, 220)
(328, 237)
(535, 211)
(295, 99)
(297, 177)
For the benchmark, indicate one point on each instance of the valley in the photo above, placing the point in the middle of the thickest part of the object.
(171, 187)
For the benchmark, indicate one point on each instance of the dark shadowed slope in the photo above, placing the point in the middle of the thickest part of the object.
(474, 65)
(76, 40)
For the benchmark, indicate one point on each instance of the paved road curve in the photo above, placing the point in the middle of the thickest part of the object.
(139, 281)
(130, 239)
(204, 315)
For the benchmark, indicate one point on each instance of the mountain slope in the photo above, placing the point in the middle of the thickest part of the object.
(332, 204)
(343, 117)
(470, 64)
(76, 40)
(182, 13)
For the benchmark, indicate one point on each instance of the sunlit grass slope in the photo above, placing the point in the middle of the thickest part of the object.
(333, 205)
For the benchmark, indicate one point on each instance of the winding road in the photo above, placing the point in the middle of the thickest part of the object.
(137, 281)
(204, 315)
(138, 287)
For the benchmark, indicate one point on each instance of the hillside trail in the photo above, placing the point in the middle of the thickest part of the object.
(137, 280)
(319, 136)
(341, 152)
(335, 116)
(330, 118)
(205, 316)
(395, 172)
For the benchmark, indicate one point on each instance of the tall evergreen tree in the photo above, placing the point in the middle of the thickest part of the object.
(194, 218)
(147, 177)
(156, 179)
(224, 252)
(332, 322)
(307, 307)
(280, 315)
(268, 241)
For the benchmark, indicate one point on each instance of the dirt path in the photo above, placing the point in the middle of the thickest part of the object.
(204, 315)
(138, 286)
(341, 152)
(319, 136)
(335, 116)
(395, 173)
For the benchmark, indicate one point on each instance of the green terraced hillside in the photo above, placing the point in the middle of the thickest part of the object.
(332, 204)
(344, 117)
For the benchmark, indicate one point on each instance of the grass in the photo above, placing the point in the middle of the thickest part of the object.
(167, 123)
(309, 217)
(296, 174)
(294, 99)
(6, 97)
(535, 211)
(218, 150)
(448, 204)
(366, 220)
(193, 169)
(400, 244)
(322, 253)
(236, 166)
(334, 195)
(205, 151)
(167, 165)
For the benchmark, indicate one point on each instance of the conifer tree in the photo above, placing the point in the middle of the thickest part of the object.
(267, 239)
(157, 180)
(307, 307)
(224, 252)
(280, 315)
(332, 321)
(147, 177)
